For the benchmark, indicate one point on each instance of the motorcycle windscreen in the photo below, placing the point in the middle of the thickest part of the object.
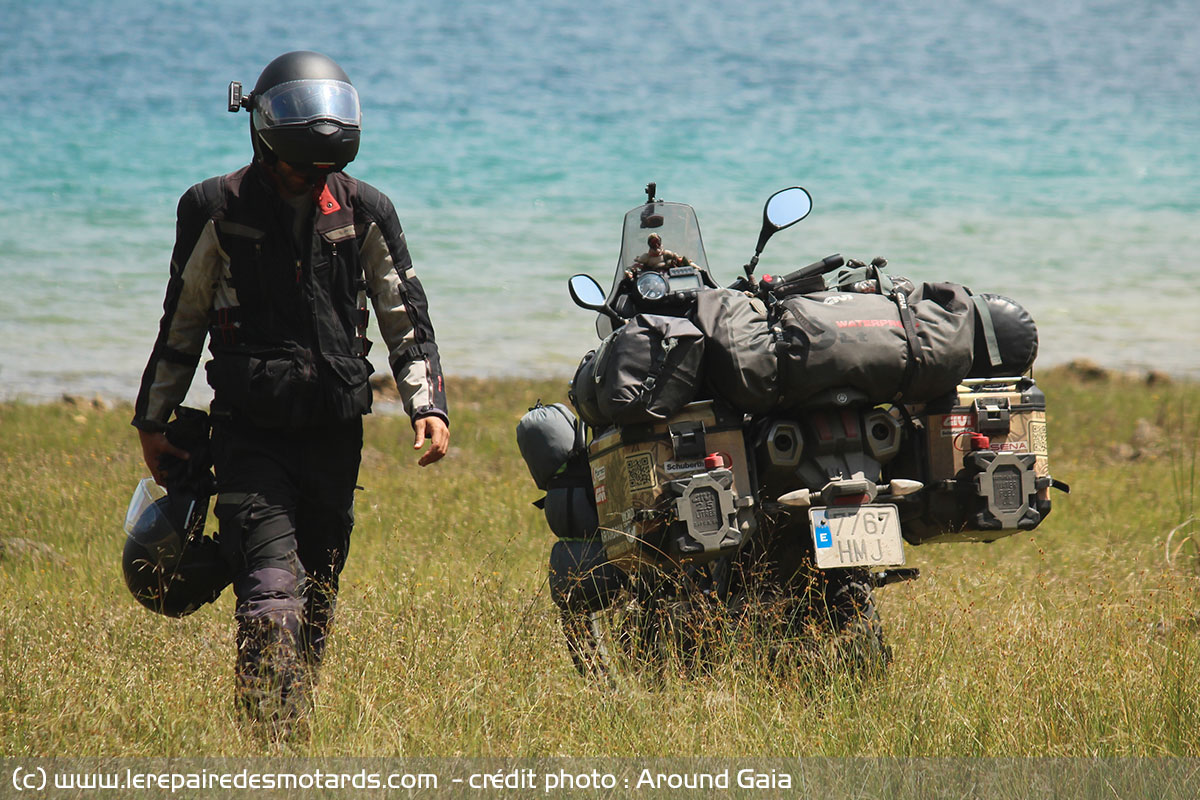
(677, 227)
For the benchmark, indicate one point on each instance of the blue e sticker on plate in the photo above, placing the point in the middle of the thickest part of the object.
(821, 530)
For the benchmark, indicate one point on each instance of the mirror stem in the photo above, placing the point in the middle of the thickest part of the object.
(750, 268)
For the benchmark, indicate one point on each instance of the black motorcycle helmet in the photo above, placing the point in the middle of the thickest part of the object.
(304, 111)
(167, 569)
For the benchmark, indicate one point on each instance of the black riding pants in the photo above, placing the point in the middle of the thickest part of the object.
(285, 503)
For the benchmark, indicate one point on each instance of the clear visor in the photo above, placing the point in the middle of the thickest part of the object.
(299, 102)
(144, 495)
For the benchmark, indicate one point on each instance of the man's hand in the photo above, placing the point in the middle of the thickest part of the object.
(154, 447)
(438, 433)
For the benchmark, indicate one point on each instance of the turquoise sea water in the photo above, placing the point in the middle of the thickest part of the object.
(1043, 150)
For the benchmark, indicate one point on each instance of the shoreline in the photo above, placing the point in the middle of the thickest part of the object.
(386, 398)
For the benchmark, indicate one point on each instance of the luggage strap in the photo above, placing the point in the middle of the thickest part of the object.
(915, 357)
(989, 330)
(667, 344)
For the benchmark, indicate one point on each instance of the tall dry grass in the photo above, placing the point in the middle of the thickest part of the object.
(1078, 640)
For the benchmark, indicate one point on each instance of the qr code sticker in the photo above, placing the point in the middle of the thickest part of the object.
(1037, 438)
(640, 469)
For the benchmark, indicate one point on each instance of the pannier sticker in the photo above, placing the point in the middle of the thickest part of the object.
(599, 474)
(955, 424)
(601, 494)
(962, 443)
(639, 467)
(689, 466)
(1037, 439)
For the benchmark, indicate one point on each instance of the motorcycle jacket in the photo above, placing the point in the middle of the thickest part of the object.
(286, 323)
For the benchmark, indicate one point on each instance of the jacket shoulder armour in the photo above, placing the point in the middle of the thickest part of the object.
(373, 205)
(199, 204)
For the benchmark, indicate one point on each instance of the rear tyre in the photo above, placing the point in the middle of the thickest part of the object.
(857, 631)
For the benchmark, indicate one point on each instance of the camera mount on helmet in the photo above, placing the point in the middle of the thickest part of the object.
(303, 110)
(237, 100)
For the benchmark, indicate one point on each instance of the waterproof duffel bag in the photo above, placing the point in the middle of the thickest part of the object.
(645, 371)
(740, 365)
(912, 348)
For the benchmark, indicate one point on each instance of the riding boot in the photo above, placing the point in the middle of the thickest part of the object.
(320, 600)
(271, 677)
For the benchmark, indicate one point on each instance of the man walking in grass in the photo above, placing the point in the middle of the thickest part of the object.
(273, 264)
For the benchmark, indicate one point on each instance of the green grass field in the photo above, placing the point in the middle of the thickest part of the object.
(1081, 639)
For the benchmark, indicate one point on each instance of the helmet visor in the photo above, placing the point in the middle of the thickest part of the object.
(305, 101)
(144, 497)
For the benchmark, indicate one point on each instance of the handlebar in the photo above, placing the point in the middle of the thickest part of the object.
(826, 264)
(805, 279)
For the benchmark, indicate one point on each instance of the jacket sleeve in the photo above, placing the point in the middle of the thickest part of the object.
(401, 308)
(195, 265)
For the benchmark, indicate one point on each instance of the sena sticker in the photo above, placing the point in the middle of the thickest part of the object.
(601, 494)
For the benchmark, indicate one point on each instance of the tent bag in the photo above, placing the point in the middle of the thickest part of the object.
(547, 436)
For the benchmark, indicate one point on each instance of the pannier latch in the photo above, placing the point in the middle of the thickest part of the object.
(992, 415)
(687, 440)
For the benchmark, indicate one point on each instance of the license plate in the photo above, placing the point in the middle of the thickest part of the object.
(857, 536)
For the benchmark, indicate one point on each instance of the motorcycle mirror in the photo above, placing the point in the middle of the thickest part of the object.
(782, 210)
(586, 292)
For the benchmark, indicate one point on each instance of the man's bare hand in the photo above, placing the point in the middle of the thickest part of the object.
(154, 447)
(438, 433)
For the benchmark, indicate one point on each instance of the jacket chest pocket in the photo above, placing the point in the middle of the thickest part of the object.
(336, 272)
(246, 248)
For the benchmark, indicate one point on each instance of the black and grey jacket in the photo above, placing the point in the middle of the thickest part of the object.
(287, 325)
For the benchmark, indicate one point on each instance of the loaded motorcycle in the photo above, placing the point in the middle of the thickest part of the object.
(751, 461)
